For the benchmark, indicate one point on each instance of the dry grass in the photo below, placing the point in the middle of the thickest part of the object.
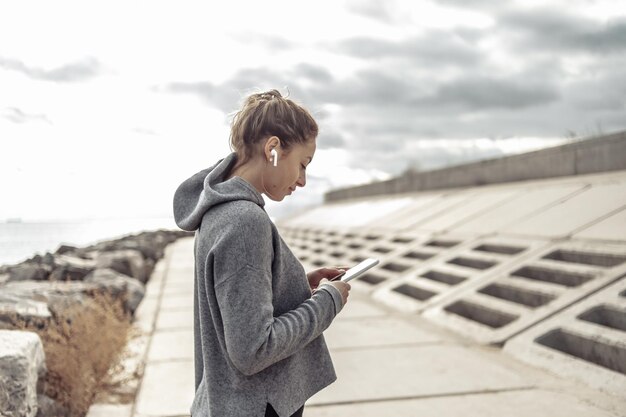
(81, 344)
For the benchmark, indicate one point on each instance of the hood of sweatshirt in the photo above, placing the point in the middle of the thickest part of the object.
(208, 188)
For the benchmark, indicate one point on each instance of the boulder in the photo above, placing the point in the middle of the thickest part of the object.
(119, 284)
(47, 407)
(64, 249)
(127, 262)
(71, 268)
(22, 361)
(57, 295)
(14, 308)
(29, 271)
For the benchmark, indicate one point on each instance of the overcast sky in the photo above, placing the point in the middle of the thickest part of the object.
(105, 109)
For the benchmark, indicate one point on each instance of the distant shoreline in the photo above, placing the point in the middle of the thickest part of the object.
(22, 240)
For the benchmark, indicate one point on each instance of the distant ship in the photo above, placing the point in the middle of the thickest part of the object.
(14, 220)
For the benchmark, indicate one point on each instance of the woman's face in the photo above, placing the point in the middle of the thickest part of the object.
(290, 171)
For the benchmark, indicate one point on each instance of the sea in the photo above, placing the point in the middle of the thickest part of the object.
(20, 240)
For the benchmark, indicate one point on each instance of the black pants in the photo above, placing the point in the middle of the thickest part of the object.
(269, 412)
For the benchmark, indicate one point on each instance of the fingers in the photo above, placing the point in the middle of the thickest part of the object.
(344, 289)
(343, 268)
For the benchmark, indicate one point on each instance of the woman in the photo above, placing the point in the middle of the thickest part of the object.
(258, 317)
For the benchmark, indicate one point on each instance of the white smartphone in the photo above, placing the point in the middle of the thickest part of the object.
(356, 270)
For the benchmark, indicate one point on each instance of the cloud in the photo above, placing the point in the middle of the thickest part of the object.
(330, 139)
(270, 42)
(434, 48)
(557, 30)
(79, 71)
(16, 115)
(313, 73)
(532, 73)
(228, 95)
(373, 9)
(478, 93)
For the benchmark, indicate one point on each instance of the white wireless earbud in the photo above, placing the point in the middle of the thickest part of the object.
(275, 156)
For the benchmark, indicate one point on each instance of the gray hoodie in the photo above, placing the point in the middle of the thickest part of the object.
(257, 328)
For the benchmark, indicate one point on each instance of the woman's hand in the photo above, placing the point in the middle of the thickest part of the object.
(343, 287)
(317, 275)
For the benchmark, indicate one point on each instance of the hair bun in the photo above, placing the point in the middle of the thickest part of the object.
(269, 95)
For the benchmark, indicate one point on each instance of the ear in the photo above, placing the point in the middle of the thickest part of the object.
(272, 143)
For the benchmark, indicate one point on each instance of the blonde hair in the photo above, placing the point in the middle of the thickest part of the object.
(269, 114)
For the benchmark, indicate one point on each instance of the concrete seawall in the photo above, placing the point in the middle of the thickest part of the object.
(602, 154)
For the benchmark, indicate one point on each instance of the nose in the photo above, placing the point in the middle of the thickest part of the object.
(301, 180)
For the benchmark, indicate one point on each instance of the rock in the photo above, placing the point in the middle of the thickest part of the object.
(127, 262)
(57, 295)
(117, 284)
(14, 308)
(48, 259)
(50, 408)
(27, 271)
(71, 268)
(64, 249)
(22, 361)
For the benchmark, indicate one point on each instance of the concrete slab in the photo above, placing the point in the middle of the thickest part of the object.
(479, 203)
(175, 319)
(183, 275)
(154, 284)
(177, 302)
(424, 214)
(357, 308)
(515, 403)
(611, 228)
(499, 306)
(383, 373)
(574, 213)
(375, 332)
(585, 342)
(455, 271)
(167, 389)
(181, 253)
(402, 219)
(530, 201)
(146, 313)
(172, 345)
(351, 214)
(110, 410)
(399, 254)
(178, 287)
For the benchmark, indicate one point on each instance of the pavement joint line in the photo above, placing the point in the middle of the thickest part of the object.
(150, 335)
(548, 206)
(423, 397)
(513, 196)
(597, 220)
(172, 329)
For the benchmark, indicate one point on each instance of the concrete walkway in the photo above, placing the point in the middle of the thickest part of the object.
(388, 364)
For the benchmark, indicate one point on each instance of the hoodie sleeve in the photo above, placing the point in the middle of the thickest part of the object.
(254, 338)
